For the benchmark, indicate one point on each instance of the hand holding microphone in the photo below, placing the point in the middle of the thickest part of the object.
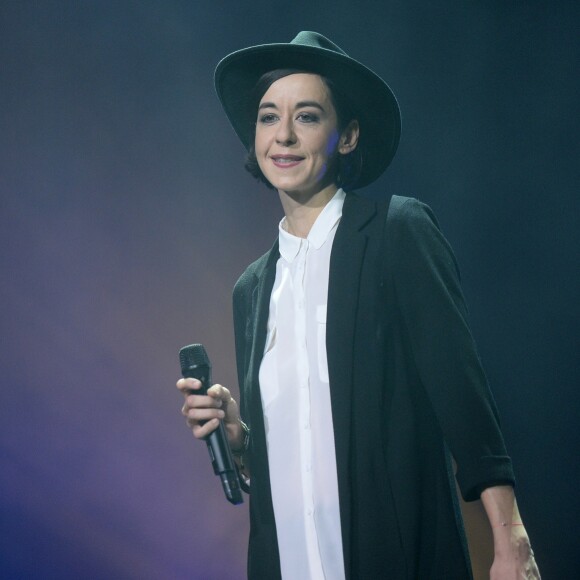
(213, 415)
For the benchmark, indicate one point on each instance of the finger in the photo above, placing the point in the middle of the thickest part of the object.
(202, 431)
(186, 408)
(203, 415)
(186, 385)
(220, 392)
(199, 402)
(202, 401)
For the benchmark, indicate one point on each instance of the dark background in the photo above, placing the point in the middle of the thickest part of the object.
(126, 217)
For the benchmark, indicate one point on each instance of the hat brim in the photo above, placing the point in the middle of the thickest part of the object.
(373, 102)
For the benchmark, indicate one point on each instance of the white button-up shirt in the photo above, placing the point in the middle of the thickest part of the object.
(296, 402)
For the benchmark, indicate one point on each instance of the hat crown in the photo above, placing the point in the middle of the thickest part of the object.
(316, 40)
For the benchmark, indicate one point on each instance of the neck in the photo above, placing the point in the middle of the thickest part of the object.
(301, 210)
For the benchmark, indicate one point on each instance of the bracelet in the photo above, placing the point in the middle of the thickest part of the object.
(245, 441)
(505, 525)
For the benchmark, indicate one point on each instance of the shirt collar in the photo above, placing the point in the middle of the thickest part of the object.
(321, 229)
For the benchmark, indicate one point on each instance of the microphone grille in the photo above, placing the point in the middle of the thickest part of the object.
(193, 355)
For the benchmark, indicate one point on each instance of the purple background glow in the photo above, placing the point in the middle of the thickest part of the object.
(126, 217)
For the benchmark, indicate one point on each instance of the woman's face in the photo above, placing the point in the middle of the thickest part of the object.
(297, 137)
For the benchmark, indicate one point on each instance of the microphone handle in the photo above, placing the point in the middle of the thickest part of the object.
(220, 453)
(223, 464)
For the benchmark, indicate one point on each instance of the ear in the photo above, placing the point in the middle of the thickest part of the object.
(349, 138)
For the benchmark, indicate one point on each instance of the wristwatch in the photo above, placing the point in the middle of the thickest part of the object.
(245, 440)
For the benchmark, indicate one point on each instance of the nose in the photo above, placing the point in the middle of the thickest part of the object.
(285, 132)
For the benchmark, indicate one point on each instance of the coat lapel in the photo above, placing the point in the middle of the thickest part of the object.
(346, 262)
(258, 318)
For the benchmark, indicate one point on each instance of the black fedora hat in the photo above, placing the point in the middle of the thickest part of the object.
(372, 101)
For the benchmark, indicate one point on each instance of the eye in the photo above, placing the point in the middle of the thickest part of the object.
(308, 117)
(268, 118)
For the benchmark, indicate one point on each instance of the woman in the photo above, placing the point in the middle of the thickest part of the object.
(359, 379)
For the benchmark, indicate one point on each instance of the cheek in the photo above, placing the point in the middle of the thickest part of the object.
(257, 143)
(332, 144)
(261, 139)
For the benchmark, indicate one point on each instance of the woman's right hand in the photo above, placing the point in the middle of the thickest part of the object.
(203, 412)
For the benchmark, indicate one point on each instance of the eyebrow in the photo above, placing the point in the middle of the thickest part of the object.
(300, 105)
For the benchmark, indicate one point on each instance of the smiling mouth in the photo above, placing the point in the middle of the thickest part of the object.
(286, 160)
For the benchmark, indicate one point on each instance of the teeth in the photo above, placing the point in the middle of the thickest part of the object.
(285, 160)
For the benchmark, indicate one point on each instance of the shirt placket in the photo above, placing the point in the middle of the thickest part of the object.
(304, 411)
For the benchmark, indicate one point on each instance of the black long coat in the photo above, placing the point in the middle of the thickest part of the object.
(407, 391)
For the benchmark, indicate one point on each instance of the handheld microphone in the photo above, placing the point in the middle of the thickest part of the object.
(195, 365)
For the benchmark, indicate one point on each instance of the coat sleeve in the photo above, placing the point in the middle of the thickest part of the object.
(434, 315)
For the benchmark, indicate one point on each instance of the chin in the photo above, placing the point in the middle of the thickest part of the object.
(289, 185)
(295, 188)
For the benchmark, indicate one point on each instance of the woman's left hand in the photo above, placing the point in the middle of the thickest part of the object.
(514, 558)
(517, 562)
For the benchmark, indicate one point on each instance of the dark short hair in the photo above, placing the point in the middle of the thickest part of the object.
(349, 165)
